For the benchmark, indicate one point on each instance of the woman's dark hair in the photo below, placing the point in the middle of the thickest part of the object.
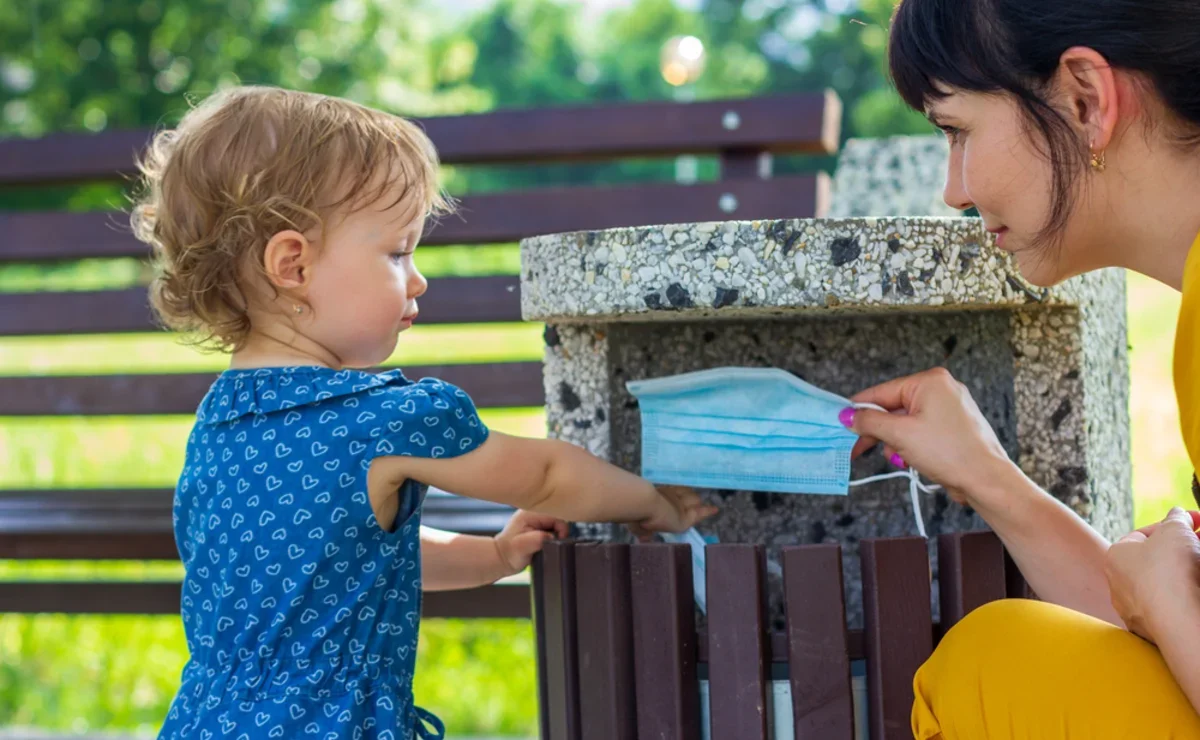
(1014, 47)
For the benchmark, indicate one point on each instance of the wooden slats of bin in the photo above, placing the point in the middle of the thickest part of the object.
(818, 656)
(560, 639)
(664, 640)
(970, 574)
(738, 645)
(898, 629)
(647, 587)
(605, 631)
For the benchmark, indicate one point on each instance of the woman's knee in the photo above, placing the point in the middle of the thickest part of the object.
(991, 638)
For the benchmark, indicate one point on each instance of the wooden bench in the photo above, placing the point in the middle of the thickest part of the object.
(630, 663)
(118, 523)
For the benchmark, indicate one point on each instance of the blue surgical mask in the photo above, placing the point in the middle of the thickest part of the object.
(750, 429)
(754, 429)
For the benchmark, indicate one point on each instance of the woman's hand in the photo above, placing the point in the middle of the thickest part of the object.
(1154, 573)
(523, 537)
(938, 429)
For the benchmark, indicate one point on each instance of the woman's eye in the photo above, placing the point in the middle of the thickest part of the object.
(952, 133)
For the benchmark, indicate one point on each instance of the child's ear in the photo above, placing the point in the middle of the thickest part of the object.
(288, 260)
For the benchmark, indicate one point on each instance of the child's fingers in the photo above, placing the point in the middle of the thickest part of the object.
(541, 522)
(531, 543)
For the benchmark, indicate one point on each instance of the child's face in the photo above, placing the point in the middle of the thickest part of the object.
(365, 284)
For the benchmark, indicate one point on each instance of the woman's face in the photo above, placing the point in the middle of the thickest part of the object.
(999, 166)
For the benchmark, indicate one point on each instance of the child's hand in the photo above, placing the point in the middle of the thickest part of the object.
(679, 509)
(524, 536)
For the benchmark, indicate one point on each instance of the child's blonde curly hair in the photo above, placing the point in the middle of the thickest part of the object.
(248, 163)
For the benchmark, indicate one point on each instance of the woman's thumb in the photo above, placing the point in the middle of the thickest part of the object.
(1189, 519)
(875, 424)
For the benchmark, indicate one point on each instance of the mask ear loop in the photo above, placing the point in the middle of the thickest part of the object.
(914, 480)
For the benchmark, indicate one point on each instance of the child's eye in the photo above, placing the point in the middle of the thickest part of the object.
(397, 256)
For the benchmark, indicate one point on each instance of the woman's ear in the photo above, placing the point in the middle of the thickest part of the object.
(1090, 87)
(288, 260)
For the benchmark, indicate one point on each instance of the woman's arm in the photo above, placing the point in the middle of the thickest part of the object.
(1059, 554)
(943, 434)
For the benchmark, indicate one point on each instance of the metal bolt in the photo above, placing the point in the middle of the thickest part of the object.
(731, 120)
(728, 203)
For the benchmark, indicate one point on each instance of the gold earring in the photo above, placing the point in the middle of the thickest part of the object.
(1098, 163)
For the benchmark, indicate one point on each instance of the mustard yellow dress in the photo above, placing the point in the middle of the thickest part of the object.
(1027, 669)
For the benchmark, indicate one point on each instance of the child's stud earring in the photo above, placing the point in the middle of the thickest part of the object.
(297, 309)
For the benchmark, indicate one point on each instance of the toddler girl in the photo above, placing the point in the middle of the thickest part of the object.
(283, 226)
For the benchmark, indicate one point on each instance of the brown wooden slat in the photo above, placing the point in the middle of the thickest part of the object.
(970, 574)
(738, 669)
(795, 123)
(118, 545)
(605, 632)
(34, 236)
(509, 384)
(537, 591)
(483, 219)
(819, 663)
(74, 597)
(898, 631)
(114, 524)
(507, 216)
(664, 639)
(1016, 587)
(454, 301)
(744, 164)
(485, 602)
(778, 646)
(561, 641)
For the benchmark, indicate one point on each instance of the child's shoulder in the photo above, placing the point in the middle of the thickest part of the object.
(384, 407)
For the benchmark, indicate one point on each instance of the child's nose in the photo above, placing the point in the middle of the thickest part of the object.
(417, 284)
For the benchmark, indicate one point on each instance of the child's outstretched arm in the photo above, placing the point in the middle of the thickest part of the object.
(557, 479)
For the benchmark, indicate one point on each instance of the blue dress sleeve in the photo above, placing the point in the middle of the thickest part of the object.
(430, 418)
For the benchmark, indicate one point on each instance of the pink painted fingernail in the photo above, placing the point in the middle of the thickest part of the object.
(896, 460)
(846, 416)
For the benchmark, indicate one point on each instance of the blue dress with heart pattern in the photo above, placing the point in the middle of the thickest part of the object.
(300, 611)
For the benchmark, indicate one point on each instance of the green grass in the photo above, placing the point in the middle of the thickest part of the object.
(80, 674)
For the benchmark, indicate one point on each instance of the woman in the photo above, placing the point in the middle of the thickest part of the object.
(1075, 131)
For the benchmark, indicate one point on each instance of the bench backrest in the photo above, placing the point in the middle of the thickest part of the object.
(620, 655)
(118, 523)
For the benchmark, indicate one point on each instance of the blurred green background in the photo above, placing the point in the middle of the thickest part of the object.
(90, 65)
